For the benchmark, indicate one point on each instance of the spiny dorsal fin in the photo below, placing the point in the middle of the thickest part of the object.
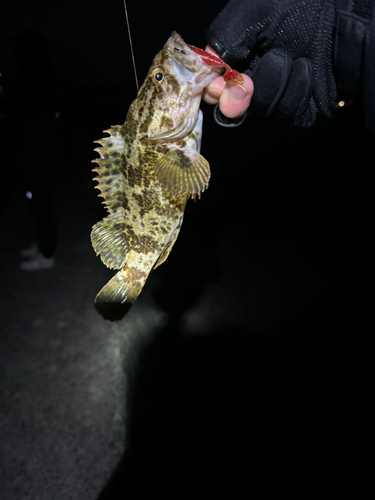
(110, 168)
(183, 172)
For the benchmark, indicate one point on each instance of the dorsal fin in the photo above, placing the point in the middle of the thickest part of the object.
(110, 168)
(108, 236)
(108, 239)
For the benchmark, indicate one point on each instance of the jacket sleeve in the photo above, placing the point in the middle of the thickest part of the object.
(355, 53)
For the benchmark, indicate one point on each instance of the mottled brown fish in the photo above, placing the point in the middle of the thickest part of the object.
(147, 170)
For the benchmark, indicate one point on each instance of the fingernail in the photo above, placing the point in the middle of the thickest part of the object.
(237, 93)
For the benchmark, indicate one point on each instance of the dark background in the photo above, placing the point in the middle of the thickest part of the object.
(244, 366)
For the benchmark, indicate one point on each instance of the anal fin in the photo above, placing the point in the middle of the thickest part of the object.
(167, 250)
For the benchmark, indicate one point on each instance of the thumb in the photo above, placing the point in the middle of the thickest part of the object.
(235, 99)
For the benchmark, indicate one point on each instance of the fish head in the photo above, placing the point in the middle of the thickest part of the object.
(189, 69)
(171, 93)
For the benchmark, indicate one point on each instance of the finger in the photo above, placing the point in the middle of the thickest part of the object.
(213, 92)
(235, 99)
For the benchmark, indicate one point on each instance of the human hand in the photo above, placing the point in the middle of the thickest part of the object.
(233, 99)
(288, 49)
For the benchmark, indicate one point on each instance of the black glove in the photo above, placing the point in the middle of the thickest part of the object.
(288, 49)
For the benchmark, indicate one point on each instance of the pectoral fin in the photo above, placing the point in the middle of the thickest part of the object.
(181, 172)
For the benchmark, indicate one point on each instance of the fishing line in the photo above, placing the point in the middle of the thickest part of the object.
(131, 46)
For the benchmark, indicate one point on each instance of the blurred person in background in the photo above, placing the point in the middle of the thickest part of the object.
(35, 124)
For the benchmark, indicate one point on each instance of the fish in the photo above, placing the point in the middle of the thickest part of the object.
(147, 170)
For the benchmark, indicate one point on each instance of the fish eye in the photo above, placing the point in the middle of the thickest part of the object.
(158, 75)
(176, 49)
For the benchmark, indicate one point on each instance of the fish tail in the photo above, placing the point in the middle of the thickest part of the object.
(117, 296)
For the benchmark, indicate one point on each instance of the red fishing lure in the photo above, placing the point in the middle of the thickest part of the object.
(230, 75)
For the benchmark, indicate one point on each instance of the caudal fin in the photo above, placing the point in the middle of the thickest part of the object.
(117, 296)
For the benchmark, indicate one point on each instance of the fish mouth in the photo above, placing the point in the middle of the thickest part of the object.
(180, 51)
(188, 66)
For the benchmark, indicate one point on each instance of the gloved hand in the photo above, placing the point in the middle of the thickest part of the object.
(287, 46)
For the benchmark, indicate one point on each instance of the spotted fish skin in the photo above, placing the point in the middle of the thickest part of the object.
(147, 170)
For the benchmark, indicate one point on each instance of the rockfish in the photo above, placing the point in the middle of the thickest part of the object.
(147, 170)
